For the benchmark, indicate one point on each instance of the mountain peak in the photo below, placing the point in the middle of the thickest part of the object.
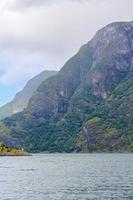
(118, 34)
(112, 55)
(85, 103)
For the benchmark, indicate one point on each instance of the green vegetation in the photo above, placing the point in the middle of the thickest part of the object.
(88, 105)
(11, 151)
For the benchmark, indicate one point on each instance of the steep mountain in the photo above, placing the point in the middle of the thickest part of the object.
(87, 106)
(22, 98)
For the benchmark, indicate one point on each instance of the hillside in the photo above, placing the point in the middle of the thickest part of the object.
(87, 106)
(22, 98)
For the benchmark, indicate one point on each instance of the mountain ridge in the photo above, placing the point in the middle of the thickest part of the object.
(72, 111)
(21, 99)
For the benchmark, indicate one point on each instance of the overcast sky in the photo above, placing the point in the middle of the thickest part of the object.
(38, 35)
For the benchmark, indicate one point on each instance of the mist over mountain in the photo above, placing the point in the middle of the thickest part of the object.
(87, 105)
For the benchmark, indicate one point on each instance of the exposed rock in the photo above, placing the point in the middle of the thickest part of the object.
(93, 90)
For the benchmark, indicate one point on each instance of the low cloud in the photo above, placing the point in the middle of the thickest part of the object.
(43, 34)
(26, 4)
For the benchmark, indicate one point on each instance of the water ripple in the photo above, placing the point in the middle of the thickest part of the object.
(67, 177)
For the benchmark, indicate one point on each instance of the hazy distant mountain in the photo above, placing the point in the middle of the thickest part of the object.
(22, 98)
(87, 106)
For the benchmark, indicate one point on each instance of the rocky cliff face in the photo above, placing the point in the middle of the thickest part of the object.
(100, 65)
(112, 57)
(22, 98)
(74, 110)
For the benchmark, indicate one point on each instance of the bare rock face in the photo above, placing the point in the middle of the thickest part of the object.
(99, 65)
(93, 90)
(114, 38)
(112, 56)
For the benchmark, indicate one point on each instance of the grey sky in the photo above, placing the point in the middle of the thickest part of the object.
(43, 34)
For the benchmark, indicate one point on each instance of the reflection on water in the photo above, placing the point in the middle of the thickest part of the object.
(67, 177)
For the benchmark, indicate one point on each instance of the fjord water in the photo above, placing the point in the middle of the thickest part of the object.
(67, 177)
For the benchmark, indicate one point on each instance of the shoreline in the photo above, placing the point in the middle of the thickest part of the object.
(14, 154)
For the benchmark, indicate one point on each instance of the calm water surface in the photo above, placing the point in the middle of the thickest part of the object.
(67, 177)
